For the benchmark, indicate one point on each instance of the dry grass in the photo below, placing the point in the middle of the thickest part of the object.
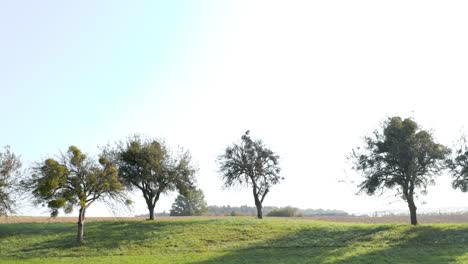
(423, 219)
(45, 219)
(74, 219)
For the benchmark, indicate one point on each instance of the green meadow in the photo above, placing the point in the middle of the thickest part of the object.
(234, 240)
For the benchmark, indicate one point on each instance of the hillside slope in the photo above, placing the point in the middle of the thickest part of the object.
(233, 240)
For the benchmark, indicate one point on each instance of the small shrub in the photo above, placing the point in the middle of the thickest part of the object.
(286, 212)
(237, 213)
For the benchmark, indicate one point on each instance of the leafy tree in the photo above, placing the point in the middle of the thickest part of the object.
(250, 162)
(149, 166)
(9, 167)
(75, 180)
(401, 157)
(458, 166)
(193, 203)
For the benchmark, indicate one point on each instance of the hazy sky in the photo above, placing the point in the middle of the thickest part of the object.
(310, 78)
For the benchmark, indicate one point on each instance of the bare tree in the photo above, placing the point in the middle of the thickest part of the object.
(9, 167)
(250, 163)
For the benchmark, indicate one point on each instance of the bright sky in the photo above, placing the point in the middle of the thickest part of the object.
(309, 78)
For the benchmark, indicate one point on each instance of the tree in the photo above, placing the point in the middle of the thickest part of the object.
(75, 180)
(458, 166)
(9, 167)
(401, 157)
(193, 203)
(149, 166)
(250, 162)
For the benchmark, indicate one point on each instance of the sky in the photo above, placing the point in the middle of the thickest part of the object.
(309, 78)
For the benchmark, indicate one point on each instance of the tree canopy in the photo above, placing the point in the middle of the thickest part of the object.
(75, 180)
(401, 156)
(149, 166)
(251, 163)
(458, 165)
(9, 167)
(193, 203)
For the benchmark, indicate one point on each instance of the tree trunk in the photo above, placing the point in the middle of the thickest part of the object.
(259, 211)
(258, 204)
(81, 217)
(412, 209)
(151, 204)
(151, 212)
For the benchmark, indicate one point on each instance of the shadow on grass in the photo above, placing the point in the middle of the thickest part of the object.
(422, 244)
(380, 244)
(26, 229)
(293, 243)
(101, 238)
(35, 238)
(109, 235)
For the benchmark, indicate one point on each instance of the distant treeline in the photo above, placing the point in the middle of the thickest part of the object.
(271, 211)
(244, 210)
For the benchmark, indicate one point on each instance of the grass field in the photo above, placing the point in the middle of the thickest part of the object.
(233, 240)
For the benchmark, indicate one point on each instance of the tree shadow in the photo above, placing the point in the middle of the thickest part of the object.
(100, 237)
(359, 244)
(26, 229)
(109, 235)
(421, 244)
(310, 243)
(36, 235)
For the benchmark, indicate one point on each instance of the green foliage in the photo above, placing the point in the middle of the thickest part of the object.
(75, 180)
(9, 167)
(403, 157)
(458, 165)
(286, 212)
(57, 203)
(235, 240)
(149, 166)
(250, 163)
(237, 213)
(193, 203)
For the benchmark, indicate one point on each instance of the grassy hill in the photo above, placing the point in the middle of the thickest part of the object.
(233, 240)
